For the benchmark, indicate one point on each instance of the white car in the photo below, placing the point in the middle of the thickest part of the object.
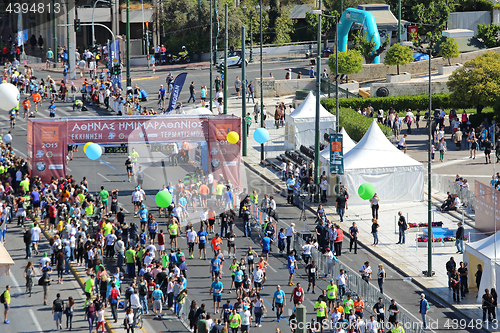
(233, 59)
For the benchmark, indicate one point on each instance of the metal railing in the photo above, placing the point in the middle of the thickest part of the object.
(329, 87)
(444, 185)
(368, 292)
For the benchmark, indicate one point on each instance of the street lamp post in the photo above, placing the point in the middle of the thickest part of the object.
(243, 97)
(129, 80)
(261, 84)
(429, 178)
(225, 57)
(211, 55)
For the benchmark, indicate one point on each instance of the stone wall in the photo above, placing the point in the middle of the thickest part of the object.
(410, 88)
(373, 72)
(277, 88)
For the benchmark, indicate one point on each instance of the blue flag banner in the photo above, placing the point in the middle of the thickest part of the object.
(176, 90)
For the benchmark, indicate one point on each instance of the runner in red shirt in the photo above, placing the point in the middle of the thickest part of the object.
(161, 243)
(297, 294)
(151, 288)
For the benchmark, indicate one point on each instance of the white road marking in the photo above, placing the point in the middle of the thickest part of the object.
(31, 313)
(149, 177)
(272, 268)
(125, 210)
(68, 169)
(19, 152)
(445, 164)
(107, 179)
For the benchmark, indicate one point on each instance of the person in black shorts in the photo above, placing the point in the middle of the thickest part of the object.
(114, 202)
(130, 167)
(70, 152)
(312, 275)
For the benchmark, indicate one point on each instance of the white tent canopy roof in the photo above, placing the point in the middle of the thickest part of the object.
(376, 151)
(486, 246)
(306, 111)
(199, 111)
(347, 145)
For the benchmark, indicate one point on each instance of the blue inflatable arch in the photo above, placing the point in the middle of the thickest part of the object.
(363, 17)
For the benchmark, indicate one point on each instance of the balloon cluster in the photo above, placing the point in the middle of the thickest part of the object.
(92, 150)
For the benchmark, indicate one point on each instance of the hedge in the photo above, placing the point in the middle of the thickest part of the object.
(401, 103)
(354, 123)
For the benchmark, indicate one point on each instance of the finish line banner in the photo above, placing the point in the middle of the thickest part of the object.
(48, 139)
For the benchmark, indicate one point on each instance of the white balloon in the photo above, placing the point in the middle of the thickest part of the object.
(9, 95)
(7, 138)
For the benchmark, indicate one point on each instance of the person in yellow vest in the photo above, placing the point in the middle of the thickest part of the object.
(235, 321)
(254, 197)
(320, 308)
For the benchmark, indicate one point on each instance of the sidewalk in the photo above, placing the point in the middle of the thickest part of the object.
(409, 259)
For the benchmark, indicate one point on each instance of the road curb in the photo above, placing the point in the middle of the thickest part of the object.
(80, 281)
(375, 254)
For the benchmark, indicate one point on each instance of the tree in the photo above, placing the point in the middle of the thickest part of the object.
(350, 62)
(489, 34)
(327, 24)
(367, 47)
(431, 18)
(397, 55)
(283, 27)
(449, 49)
(477, 82)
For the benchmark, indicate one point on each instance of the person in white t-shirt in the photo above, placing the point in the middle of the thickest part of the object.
(372, 325)
(246, 319)
(257, 276)
(152, 248)
(44, 260)
(35, 237)
(402, 143)
(191, 239)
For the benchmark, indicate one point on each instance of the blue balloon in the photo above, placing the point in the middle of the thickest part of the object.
(94, 151)
(261, 135)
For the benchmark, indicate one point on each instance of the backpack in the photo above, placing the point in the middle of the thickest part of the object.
(183, 258)
(2, 297)
(143, 290)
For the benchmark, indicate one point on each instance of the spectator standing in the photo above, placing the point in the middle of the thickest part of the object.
(70, 308)
(459, 242)
(423, 308)
(6, 304)
(402, 226)
(353, 231)
(250, 92)
(381, 277)
(341, 205)
(374, 202)
(366, 272)
(464, 276)
(375, 227)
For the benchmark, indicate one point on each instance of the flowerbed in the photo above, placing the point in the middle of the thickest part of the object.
(424, 224)
(424, 239)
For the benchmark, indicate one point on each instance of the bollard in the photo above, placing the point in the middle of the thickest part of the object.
(416, 244)
(395, 225)
(301, 312)
(154, 70)
(463, 217)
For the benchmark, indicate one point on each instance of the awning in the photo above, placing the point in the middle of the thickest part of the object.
(5, 261)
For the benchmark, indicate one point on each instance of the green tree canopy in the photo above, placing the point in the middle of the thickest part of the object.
(366, 47)
(397, 55)
(283, 27)
(449, 49)
(489, 34)
(477, 82)
(350, 62)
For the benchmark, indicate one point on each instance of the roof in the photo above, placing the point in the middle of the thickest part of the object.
(465, 44)
(306, 111)
(299, 11)
(383, 16)
(376, 151)
(5, 261)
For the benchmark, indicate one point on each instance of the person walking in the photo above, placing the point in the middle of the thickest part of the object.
(442, 149)
(381, 277)
(375, 227)
(402, 225)
(70, 308)
(114, 299)
(6, 304)
(423, 308)
(464, 277)
(459, 242)
(353, 231)
(487, 305)
(341, 205)
(366, 272)
(57, 311)
(374, 201)
(192, 92)
(250, 92)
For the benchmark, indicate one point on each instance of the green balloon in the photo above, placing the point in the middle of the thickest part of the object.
(366, 191)
(163, 199)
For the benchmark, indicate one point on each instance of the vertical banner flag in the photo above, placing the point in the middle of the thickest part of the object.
(176, 91)
(114, 59)
(336, 154)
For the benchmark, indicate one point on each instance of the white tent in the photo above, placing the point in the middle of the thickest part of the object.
(5, 261)
(199, 111)
(482, 252)
(396, 176)
(300, 124)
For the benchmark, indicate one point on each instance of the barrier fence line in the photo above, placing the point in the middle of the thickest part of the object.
(444, 184)
(368, 292)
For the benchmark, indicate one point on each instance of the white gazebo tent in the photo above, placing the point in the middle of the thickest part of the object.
(482, 252)
(396, 176)
(5, 261)
(199, 111)
(300, 124)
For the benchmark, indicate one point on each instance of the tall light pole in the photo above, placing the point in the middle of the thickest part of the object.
(430, 237)
(243, 96)
(318, 106)
(129, 80)
(225, 56)
(261, 84)
(399, 21)
(211, 54)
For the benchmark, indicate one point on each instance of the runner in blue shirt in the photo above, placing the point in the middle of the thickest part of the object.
(228, 199)
(52, 110)
(143, 217)
(153, 229)
(227, 310)
(158, 301)
(215, 267)
(217, 287)
(202, 242)
(238, 281)
(290, 183)
(291, 266)
(265, 242)
(161, 96)
(279, 302)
